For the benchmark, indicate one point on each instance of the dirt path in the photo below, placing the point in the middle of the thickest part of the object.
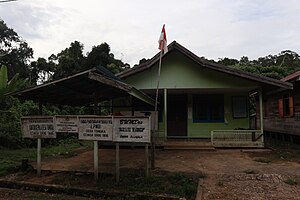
(230, 174)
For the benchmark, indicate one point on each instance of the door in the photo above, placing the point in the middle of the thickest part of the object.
(177, 115)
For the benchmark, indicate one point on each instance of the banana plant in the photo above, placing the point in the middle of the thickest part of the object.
(7, 86)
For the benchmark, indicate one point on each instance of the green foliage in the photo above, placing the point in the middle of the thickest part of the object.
(14, 52)
(14, 109)
(5, 85)
(273, 66)
(11, 159)
(179, 184)
(291, 181)
(71, 61)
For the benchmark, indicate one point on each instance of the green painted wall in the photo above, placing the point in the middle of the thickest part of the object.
(180, 72)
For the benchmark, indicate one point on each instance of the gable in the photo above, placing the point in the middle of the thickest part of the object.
(178, 71)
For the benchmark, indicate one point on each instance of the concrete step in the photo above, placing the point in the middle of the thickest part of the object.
(189, 148)
(188, 145)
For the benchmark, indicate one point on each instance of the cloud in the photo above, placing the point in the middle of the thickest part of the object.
(30, 20)
(210, 28)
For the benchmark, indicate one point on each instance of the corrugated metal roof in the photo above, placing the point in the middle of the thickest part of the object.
(82, 88)
(292, 76)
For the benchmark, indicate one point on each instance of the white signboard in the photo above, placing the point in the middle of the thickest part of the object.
(132, 129)
(95, 128)
(154, 117)
(37, 127)
(66, 124)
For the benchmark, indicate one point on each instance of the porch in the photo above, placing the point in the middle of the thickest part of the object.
(201, 119)
(218, 139)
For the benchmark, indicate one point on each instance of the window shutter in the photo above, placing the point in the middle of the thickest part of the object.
(291, 106)
(280, 107)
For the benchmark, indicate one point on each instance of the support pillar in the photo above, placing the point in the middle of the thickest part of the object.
(96, 148)
(117, 162)
(147, 159)
(39, 146)
(261, 111)
(96, 161)
(165, 111)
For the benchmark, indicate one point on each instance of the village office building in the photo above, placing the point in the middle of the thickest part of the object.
(196, 97)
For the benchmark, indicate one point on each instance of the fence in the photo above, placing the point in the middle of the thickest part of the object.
(237, 138)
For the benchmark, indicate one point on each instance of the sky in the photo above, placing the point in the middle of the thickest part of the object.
(210, 28)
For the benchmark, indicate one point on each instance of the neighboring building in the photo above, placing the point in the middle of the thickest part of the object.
(282, 109)
(199, 99)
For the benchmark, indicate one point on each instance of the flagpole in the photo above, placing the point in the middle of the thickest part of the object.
(156, 114)
(158, 78)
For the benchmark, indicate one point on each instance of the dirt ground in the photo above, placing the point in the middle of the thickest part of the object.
(229, 174)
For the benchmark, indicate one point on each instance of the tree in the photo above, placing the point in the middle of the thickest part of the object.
(228, 61)
(69, 61)
(14, 52)
(41, 70)
(101, 56)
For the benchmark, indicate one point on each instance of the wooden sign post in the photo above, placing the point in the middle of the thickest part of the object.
(95, 128)
(117, 162)
(131, 130)
(38, 127)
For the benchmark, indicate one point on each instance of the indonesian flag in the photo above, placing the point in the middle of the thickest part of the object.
(163, 41)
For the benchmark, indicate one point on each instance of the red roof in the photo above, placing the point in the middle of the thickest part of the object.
(291, 76)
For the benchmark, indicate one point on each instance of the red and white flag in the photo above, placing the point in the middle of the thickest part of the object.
(163, 41)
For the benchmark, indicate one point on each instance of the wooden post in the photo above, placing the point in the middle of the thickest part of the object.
(38, 167)
(165, 111)
(147, 159)
(152, 150)
(117, 162)
(96, 148)
(261, 113)
(96, 161)
(291, 139)
(39, 147)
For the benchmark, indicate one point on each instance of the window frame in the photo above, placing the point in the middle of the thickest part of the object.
(245, 102)
(207, 98)
(285, 111)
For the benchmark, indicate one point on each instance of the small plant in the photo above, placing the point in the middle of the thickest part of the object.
(262, 160)
(291, 181)
(250, 171)
(220, 183)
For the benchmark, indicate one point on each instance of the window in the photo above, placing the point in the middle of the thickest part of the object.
(208, 108)
(286, 106)
(239, 107)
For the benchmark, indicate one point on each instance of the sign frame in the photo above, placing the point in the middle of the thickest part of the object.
(34, 127)
(130, 129)
(94, 130)
(66, 123)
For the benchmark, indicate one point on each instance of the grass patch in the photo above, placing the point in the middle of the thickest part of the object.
(220, 183)
(288, 154)
(179, 184)
(11, 159)
(250, 171)
(263, 160)
(291, 181)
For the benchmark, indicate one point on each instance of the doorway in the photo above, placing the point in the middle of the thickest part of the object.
(177, 115)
